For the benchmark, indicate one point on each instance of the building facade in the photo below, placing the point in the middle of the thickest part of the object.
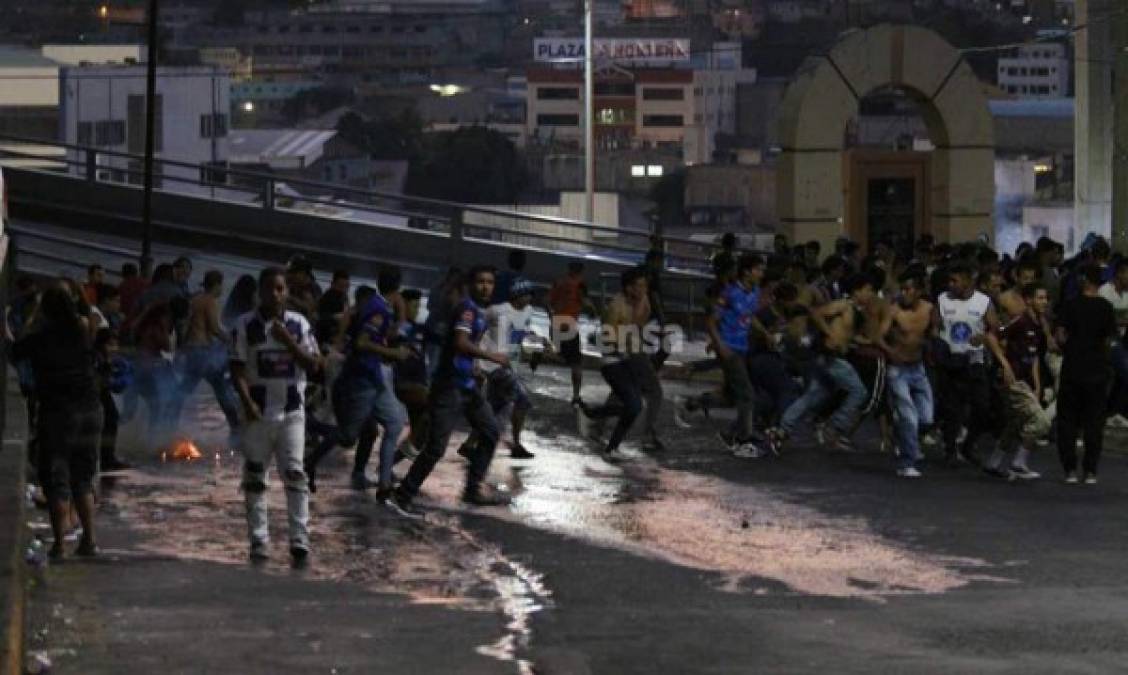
(678, 107)
(1036, 71)
(104, 107)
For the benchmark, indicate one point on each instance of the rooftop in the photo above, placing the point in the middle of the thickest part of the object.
(13, 56)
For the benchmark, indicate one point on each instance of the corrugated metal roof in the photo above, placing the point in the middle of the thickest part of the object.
(266, 145)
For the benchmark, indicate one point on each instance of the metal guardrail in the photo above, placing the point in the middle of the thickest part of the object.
(489, 224)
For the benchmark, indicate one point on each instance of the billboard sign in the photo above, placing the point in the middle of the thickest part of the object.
(618, 50)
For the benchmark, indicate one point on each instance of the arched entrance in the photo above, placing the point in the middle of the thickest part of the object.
(957, 189)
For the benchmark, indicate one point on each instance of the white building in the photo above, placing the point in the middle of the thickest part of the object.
(104, 107)
(1036, 71)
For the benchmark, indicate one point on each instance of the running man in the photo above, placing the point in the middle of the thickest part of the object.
(728, 328)
(627, 313)
(840, 324)
(567, 299)
(274, 350)
(965, 318)
(1026, 420)
(455, 392)
(903, 336)
(509, 323)
(204, 353)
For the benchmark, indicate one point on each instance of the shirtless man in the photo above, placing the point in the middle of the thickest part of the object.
(204, 354)
(839, 323)
(1010, 303)
(626, 314)
(902, 337)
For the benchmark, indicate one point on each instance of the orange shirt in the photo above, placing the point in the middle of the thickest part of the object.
(567, 297)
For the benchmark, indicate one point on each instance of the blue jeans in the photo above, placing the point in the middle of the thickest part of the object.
(358, 401)
(831, 373)
(910, 396)
(208, 363)
(155, 381)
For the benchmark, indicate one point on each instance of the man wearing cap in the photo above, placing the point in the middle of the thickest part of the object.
(509, 323)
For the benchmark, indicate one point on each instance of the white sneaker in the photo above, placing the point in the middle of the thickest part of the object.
(748, 451)
(615, 456)
(910, 472)
(681, 413)
(1024, 473)
(1118, 422)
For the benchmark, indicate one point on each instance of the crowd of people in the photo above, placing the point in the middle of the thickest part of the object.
(942, 344)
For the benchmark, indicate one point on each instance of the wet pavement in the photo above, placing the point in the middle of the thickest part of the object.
(689, 561)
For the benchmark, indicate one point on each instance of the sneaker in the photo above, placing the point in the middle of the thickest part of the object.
(748, 451)
(843, 443)
(409, 450)
(259, 552)
(729, 440)
(682, 412)
(87, 549)
(776, 437)
(909, 472)
(1071, 478)
(402, 506)
(1118, 422)
(480, 497)
(1090, 479)
(1024, 473)
(360, 482)
(613, 456)
(299, 557)
(653, 445)
(115, 464)
(384, 492)
(518, 451)
(996, 472)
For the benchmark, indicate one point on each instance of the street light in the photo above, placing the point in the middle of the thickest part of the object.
(589, 128)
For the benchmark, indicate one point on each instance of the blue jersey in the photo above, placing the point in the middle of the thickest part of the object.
(735, 308)
(471, 319)
(375, 320)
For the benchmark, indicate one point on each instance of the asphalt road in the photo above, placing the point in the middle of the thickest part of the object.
(690, 562)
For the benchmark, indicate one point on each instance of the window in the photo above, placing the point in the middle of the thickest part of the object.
(109, 132)
(638, 171)
(85, 133)
(654, 171)
(213, 125)
(662, 121)
(663, 94)
(615, 116)
(614, 89)
(135, 106)
(558, 93)
(558, 120)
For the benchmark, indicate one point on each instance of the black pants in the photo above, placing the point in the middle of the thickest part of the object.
(1081, 408)
(110, 418)
(965, 401)
(627, 389)
(448, 404)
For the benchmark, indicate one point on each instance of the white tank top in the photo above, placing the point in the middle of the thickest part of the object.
(961, 320)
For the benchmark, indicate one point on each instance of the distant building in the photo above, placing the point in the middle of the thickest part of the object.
(392, 40)
(104, 107)
(639, 103)
(318, 155)
(1036, 71)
